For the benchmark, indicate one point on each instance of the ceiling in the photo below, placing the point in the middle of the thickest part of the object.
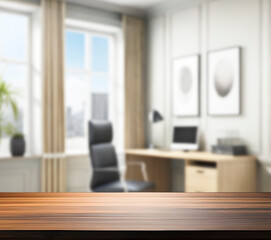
(132, 7)
(140, 4)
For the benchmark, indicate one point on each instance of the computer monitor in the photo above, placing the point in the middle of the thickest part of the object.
(185, 138)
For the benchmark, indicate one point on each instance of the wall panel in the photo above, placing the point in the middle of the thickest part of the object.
(212, 25)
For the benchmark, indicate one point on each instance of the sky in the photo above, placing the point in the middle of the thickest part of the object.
(13, 36)
(76, 52)
(76, 59)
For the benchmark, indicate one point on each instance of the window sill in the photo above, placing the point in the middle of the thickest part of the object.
(77, 154)
(26, 157)
(39, 157)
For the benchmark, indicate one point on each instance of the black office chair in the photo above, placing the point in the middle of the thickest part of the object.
(106, 173)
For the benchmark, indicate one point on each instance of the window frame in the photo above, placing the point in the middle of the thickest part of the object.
(87, 71)
(28, 89)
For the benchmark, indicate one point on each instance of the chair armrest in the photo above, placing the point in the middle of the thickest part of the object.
(109, 169)
(143, 168)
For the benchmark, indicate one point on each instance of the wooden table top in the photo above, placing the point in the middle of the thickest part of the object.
(135, 211)
(191, 155)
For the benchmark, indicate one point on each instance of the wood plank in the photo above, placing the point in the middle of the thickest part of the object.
(237, 177)
(135, 211)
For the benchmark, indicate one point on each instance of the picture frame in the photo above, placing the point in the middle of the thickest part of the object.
(224, 82)
(185, 86)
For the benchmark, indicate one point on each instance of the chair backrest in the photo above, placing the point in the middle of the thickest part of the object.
(102, 153)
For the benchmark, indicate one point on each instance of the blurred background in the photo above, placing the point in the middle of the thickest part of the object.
(129, 95)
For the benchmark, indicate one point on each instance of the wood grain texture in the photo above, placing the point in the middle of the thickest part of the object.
(135, 211)
(237, 177)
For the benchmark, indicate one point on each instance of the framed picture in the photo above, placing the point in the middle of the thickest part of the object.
(185, 87)
(224, 80)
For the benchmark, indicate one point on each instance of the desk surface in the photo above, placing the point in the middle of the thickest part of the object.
(200, 156)
(135, 211)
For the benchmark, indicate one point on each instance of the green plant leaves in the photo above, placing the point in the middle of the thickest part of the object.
(6, 99)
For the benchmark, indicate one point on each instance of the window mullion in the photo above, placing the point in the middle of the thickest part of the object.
(88, 82)
(112, 90)
(29, 92)
(0, 31)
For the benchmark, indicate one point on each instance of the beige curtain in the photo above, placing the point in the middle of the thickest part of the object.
(53, 162)
(134, 31)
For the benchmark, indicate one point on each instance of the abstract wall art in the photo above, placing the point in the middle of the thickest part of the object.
(186, 86)
(224, 80)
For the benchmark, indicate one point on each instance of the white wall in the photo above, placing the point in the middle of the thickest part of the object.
(156, 43)
(23, 174)
(78, 174)
(20, 175)
(209, 26)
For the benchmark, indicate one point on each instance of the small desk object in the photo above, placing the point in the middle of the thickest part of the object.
(134, 216)
(204, 171)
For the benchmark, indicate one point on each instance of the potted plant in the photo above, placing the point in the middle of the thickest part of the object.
(17, 141)
(17, 144)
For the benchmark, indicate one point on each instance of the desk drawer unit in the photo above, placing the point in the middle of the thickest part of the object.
(201, 179)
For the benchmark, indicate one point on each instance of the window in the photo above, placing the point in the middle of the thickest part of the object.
(90, 84)
(14, 68)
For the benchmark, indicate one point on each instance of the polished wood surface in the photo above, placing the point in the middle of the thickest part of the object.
(136, 211)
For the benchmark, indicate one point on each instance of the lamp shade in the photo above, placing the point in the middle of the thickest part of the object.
(155, 116)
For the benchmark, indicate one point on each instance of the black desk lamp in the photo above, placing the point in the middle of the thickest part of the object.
(154, 117)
